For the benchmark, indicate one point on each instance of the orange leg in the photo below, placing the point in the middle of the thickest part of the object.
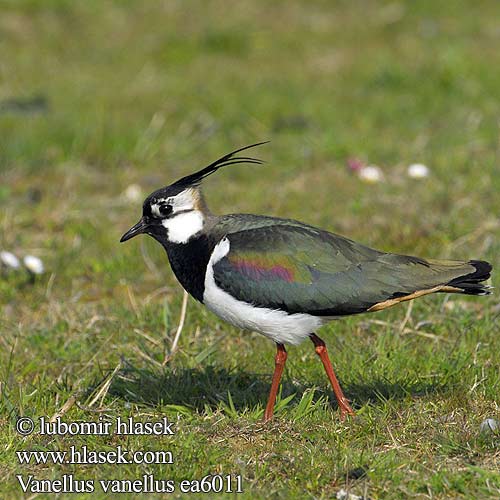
(320, 347)
(280, 361)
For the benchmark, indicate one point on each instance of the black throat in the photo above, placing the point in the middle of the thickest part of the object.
(189, 263)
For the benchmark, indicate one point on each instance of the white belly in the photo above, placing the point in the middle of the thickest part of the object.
(277, 325)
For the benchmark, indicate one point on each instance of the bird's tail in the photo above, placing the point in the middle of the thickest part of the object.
(472, 283)
(427, 276)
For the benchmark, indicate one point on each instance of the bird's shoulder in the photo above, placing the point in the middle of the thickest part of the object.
(265, 234)
(234, 223)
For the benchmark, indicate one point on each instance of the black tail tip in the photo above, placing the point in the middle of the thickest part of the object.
(472, 283)
(483, 271)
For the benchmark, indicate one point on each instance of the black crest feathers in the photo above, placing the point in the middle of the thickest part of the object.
(229, 159)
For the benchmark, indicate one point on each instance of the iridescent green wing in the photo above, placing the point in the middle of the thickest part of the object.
(294, 268)
(297, 268)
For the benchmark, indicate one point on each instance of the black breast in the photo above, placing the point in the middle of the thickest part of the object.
(189, 263)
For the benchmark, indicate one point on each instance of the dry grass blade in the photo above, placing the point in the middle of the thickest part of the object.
(407, 317)
(133, 302)
(143, 355)
(66, 406)
(105, 387)
(147, 337)
(173, 349)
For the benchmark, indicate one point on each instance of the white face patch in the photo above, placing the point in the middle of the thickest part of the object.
(185, 220)
(182, 227)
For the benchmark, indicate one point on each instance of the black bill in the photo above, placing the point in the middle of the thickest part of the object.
(139, 228)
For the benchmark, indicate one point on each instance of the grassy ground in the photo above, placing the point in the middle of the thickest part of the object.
(99, 95)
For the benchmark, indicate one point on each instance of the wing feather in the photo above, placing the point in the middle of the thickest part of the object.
(297, 268)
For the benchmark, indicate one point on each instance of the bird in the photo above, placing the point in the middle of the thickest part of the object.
(284, 278)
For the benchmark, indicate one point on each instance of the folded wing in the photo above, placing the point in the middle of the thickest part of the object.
(298, 268)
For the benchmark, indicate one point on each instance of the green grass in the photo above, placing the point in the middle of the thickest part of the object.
(98, 95)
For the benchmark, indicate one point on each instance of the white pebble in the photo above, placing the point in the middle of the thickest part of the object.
(8, 259)
(489, 425)
(371, 174)
(133, 193)
(418, 171)
(345, 495)
(33, 264)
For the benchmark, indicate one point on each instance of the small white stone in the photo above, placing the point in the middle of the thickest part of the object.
(345, 495)
(133, 193)
(8, 259)
(418, 171)
(371, 174)
(489, 425)
(33, 264)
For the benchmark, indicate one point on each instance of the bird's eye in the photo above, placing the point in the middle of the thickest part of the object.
(165, 209)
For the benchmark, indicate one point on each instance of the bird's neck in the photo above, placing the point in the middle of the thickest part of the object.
(189, 262)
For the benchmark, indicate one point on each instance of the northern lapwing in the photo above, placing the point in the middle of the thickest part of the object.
(283, 278)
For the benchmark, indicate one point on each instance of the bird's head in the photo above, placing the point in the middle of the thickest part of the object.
(178, 212)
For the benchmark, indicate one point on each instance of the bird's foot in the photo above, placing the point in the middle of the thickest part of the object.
(346, 410)
(267, 417)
